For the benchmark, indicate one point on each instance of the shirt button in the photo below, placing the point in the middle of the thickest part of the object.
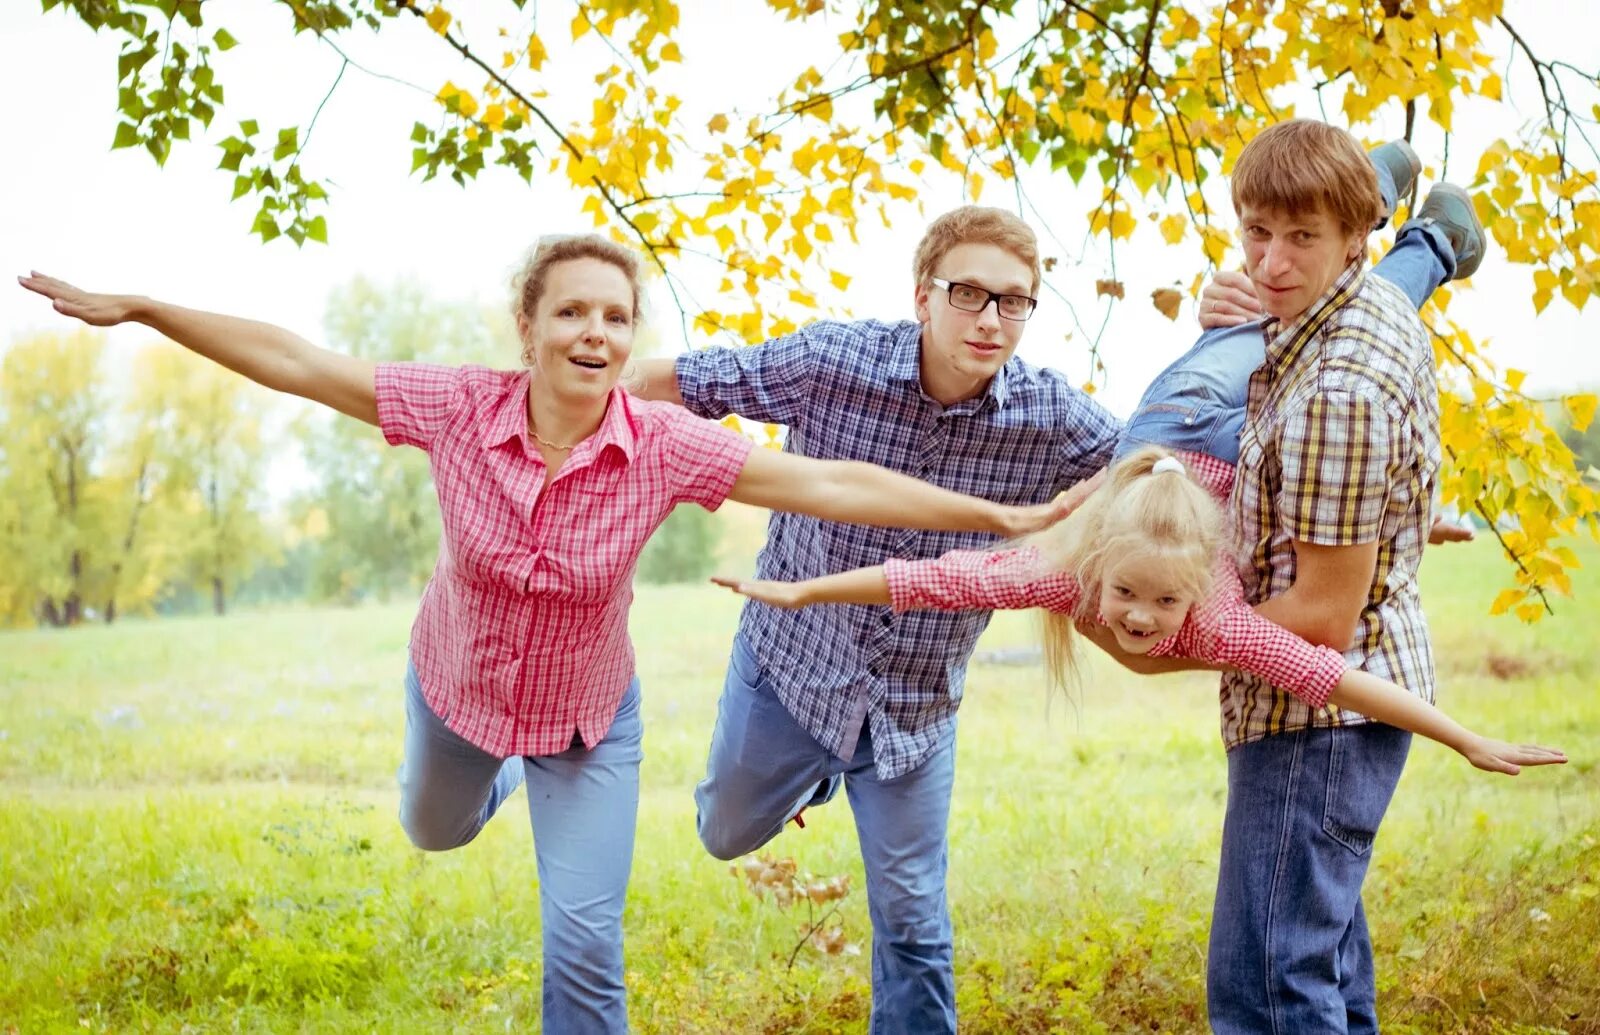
(886, 618)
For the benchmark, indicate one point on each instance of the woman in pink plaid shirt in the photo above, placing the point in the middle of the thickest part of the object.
(550, 479)
(1144, 559)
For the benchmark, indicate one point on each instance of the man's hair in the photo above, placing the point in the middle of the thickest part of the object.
(1304, 166)
(974, 224)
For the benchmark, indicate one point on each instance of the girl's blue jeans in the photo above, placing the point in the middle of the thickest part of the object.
(1197, 403)
(583, 805)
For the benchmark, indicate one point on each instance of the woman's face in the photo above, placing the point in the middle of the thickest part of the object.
(580, 334)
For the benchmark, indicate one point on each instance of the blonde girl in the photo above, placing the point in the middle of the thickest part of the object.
(1143, 557)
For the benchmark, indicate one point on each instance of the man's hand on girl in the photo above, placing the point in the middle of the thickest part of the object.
(1229, 300)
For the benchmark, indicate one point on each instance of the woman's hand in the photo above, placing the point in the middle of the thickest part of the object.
(1497, 756)
(94, 309)
(1229, 300)
(778, 594)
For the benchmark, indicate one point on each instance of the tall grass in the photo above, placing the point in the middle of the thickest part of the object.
(197, 834)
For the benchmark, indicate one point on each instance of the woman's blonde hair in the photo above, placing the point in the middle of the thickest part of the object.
(1139, 512)
(527, 284)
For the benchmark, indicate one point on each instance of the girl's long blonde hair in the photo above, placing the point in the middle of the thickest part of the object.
(1138, 512)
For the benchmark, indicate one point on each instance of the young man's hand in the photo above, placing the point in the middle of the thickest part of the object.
(1229, 300)
(778, 594)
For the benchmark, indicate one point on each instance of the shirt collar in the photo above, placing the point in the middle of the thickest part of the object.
(905, 366)
(1285, 342)
(508, 420)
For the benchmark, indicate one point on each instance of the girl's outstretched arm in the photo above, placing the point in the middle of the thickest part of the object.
(266, 354)
(865, 494)
(1380, 699)
(861, 586)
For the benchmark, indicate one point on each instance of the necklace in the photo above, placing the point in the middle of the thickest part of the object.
(549, 444)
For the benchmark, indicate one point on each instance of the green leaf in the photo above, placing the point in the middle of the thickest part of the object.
(249, 128)
(127, 136)
(419, 133)
(241, 184)
(224, 40)
(317, 230)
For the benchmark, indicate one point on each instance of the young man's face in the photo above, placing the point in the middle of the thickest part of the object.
(962, 351)
(1293, 258)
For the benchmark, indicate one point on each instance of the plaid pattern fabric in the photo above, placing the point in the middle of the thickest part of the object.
(1340, 447)
(522, 635)
(852, 391)
(1220, 629)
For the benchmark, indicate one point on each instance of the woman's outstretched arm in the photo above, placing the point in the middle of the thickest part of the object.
(266, 354)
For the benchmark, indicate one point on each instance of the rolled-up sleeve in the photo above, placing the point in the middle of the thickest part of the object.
(768, 382)
(980, 580)
(415, 400)
(1339, 456)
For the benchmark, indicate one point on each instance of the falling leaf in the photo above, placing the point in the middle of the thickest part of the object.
(1109, 287)
(1167, 300)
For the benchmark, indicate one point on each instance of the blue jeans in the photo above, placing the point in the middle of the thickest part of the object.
(1289, 953)
(583, 805)
(1197, 403)
(763, 767)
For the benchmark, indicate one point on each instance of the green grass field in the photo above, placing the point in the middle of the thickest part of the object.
(197, 834)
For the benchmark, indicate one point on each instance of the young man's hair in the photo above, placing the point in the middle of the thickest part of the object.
(1305, 166)
(974, 224)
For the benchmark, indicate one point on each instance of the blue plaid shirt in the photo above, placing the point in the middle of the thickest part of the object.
(852, 391)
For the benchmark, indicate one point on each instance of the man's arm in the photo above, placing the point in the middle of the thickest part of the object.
(1331, 587)
(653, 379)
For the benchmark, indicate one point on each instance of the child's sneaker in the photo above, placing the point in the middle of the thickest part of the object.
(1449, 208)
(1400, 164)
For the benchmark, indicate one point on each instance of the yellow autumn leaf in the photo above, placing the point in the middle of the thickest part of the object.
(536, 52)
(840, 280)
(718, 123)
(438, 20)
(1172, 228)
(1167, 301)
(1581, 409)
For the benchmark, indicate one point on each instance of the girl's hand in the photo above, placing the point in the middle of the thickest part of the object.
(1497, 756)
(778, 594)
(93, 309)
(1229, 300)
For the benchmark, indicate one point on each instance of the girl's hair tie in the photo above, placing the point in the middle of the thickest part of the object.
(1167, 463)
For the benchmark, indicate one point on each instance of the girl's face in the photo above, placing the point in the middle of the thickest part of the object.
(581, 332)
(1142, 602)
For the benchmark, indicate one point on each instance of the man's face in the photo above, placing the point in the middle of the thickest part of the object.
(962, 351)
(1294, 258)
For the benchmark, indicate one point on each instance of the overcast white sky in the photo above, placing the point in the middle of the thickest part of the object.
(112, 221)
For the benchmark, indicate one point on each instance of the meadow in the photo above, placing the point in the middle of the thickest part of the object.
(197, 834)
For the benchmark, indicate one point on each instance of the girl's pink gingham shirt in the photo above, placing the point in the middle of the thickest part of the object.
(521, 640)
(1220, 629)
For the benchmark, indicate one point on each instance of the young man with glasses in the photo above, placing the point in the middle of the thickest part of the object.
(860, 696)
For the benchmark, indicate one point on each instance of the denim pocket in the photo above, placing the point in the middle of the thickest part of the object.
(742, 661)
(1362, 772)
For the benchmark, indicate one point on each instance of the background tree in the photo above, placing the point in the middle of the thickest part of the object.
(372, 512)
(1143, 102)
(54, 408)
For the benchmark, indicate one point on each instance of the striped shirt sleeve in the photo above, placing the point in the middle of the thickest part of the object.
(980, 580)
(415, 400)
(1338, 453)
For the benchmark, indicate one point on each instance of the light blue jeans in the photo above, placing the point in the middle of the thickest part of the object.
(1197, 403)
(1290, 953)
(583, 805)
(763, 766)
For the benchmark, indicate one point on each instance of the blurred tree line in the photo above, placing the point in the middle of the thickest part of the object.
(139, 483)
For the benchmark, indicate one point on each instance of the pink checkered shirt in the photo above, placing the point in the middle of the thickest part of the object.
(1218, 630)
(522, 636)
